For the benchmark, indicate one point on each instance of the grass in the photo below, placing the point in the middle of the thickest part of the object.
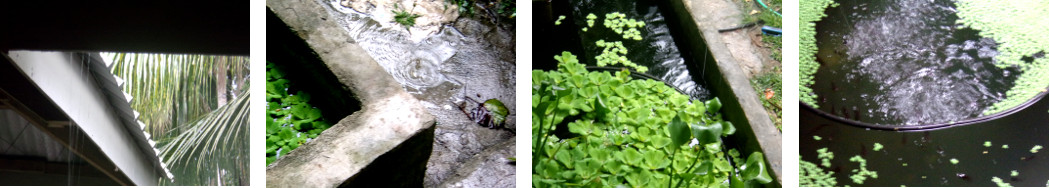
(768, 86)
(405, 18)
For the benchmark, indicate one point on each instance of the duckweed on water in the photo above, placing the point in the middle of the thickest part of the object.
(987, 144)
(1036, 148)
(817, 138)
(1014, 173)
(1005, 146)
(954, 161)
(810, 11)
(1018, 26)
(877, 146)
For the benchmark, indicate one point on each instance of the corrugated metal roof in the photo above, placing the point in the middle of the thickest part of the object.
(112, 87)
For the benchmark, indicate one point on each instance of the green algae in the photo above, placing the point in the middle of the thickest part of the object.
(810, 11)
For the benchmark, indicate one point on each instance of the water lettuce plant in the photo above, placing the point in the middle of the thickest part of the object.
(598, 129)
(809, 12)
(405, 18)
(290, 120)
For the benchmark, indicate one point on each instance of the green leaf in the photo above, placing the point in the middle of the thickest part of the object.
(679, 132)
(631, 157)
(287, 134)
(655, 159)
(271, 126)
(755, 169)
(713, 105)
(727, 128)
(707, 133)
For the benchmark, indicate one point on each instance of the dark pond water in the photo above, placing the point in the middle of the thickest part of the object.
(657, 50)
(928, 154)
(905, 62)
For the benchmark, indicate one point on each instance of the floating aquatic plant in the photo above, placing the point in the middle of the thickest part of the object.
(290, 121)
(862, 173)
(810, 11)
(877, 146)
(596, 129)
(1018, 27)
(954, 161)
(813, 176)
(987, 144)
(1036, 148)
(817, 138)
(825, 156)
(999, 182)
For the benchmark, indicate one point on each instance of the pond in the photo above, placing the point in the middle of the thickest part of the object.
(905, 63)
(923, 158)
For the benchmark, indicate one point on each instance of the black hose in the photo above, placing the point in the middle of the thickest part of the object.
(927, 127)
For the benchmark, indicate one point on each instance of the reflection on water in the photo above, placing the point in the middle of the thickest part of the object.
(904, 62)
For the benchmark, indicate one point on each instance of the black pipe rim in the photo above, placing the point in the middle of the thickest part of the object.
(929, 127)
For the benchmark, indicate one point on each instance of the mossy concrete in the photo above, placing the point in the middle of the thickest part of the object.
(385, 144)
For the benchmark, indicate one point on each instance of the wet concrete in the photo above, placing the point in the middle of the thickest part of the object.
(383, 144)
(467, 58)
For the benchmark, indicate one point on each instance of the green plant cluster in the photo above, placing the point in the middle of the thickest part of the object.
(614, 53)
(862, 173)
(809, 12)
(1018, 27)
(617, 21)
(596, 129)
(814, 176)
(290, 119)
(405, 18)
(559, 19)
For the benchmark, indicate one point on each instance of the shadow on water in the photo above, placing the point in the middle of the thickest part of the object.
(905, 62)
(928, 154)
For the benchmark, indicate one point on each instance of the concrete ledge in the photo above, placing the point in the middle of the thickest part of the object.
(389, 140)
(734, 89)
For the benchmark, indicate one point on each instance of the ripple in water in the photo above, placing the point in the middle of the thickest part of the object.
(905, 62)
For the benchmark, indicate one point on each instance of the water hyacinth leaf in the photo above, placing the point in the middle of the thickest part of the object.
(707, 133)
(713, 105)
(755, 170)
(727, 128)
(679, 132)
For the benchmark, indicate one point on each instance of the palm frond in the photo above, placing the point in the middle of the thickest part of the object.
(215, 144)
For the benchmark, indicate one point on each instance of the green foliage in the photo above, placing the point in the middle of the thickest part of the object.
(1036, 148)
(617, 22)
(809, 12)
(877, 146)
(405, 18)
(195, 108)
(862, 173)
(1018, 26)
(625, 132)
(291, 121)
(813, 176)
